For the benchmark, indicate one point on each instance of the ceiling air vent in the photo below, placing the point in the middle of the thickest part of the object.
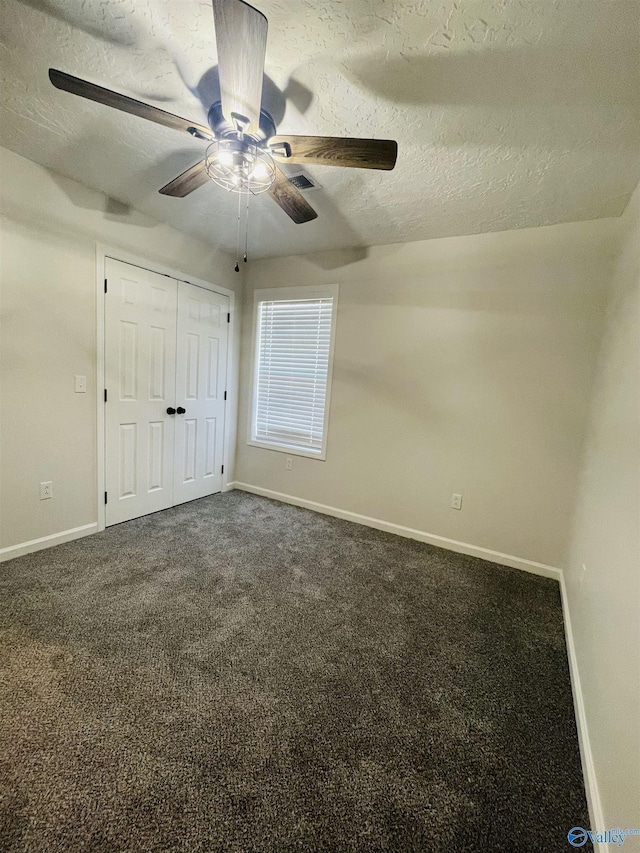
(301, 181)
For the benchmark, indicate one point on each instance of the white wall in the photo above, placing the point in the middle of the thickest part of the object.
(48, 233)
(604, 598)
(461, 365)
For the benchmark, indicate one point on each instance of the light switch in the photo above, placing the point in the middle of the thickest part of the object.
(81, 384)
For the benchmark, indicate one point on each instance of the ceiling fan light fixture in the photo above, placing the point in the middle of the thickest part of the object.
(259, 170)
(240, 166)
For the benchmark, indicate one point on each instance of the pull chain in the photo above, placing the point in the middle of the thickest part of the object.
(237, 266)
(246, 231)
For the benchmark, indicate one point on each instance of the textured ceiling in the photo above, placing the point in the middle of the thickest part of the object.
(508, 113)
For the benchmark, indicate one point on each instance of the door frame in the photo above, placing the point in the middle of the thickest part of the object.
(104, 251)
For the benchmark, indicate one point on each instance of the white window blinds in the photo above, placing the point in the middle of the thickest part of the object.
(292, 364)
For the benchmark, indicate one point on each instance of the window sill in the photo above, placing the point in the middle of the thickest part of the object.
(290, 451)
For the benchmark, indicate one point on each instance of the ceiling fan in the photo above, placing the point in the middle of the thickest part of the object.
(244, 150)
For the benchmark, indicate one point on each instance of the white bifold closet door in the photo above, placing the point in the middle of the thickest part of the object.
(201, 368)
(165, 352)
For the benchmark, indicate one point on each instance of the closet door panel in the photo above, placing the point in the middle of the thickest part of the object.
(201, 365)
(140, 346)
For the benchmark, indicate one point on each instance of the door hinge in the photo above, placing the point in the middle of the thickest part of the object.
(105, 395)
(105, 285)
(225, 395)
(105, 497)
(222, 470)
(228, 318)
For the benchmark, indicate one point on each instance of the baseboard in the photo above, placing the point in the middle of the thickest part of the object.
(408, 532)
(592, 790)
(47, 541)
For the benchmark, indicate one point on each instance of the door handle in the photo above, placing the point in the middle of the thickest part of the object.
(171, 411)
(180, 410)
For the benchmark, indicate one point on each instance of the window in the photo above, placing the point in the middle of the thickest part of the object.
(293, 354)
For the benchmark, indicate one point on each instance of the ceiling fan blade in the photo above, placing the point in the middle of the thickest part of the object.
(335, 151)
(291, 200)
(241, 39)
(77, 86)
(187, 182)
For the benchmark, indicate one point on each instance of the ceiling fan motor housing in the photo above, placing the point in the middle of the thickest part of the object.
(223, 129)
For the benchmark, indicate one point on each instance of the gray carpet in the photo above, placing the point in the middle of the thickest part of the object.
(240, 675)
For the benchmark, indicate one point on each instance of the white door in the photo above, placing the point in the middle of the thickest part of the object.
(201, 368)
(164, 429)
(140, 345)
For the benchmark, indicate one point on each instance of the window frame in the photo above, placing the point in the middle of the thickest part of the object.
(274, 294)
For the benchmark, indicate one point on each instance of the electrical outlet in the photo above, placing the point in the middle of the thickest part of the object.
(456, 501)
(80, 384)
(289, 463)
(46, 490)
